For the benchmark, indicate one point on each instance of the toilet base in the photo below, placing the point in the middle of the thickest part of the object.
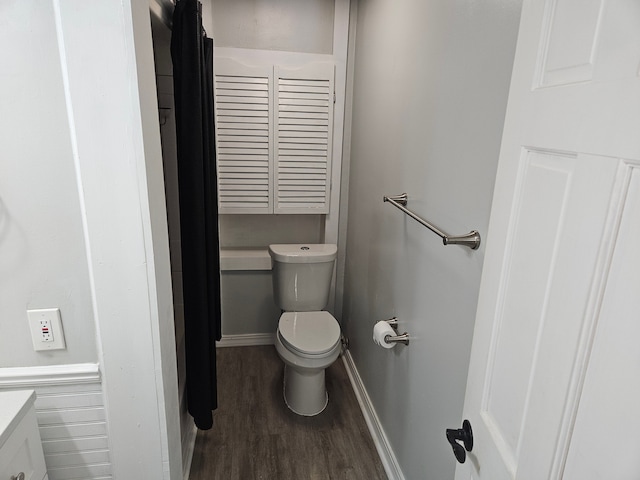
(304, 391)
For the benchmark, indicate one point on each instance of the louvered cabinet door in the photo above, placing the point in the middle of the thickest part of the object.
(243, 105)
(303, 133)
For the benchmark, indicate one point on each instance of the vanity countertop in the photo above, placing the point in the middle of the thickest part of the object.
(13, 407)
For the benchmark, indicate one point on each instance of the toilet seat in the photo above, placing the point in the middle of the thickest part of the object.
(309, 333)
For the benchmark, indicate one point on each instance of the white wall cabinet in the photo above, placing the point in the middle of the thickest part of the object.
(21, 456)
(274, 129)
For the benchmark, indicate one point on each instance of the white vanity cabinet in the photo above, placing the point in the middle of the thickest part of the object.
(21, 456)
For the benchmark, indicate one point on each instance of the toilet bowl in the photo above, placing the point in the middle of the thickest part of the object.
(307, 338)
(307, 343)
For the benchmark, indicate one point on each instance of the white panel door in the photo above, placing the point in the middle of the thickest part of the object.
(554, 376)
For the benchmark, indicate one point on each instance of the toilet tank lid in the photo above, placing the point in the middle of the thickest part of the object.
(303, 252)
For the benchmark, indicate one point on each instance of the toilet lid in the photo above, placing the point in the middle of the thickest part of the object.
(312, 333)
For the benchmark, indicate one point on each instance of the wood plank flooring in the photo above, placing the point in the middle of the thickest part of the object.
(255, 436)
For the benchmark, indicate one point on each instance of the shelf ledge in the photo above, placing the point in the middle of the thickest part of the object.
(247, 259)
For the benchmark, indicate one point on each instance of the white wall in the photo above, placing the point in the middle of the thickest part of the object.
(430, 91)
(83, 216)
(112, 106)
(43, 261)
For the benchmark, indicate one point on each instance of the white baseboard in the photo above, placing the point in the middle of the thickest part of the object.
(388, 458)
(246, 340)
(188, 446)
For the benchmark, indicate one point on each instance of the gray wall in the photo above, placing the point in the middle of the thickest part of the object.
(286, 25)
(430, 90)
(261, 230)
(289, 25)
(247, 298)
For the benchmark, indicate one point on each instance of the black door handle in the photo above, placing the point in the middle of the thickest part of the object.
(465, 435)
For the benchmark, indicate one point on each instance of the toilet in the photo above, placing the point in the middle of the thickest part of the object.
(307, 338)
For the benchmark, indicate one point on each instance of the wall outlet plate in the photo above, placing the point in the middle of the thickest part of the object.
(45, 325)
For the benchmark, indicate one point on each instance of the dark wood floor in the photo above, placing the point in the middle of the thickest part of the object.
(255, 436)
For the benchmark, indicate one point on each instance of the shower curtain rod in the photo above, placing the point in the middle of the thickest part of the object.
(471, 239)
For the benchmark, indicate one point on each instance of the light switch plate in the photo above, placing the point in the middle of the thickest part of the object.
(45, 325)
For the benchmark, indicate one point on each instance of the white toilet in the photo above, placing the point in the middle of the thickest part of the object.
(308, 339)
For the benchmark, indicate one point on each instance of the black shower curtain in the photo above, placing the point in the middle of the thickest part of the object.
(192, 55)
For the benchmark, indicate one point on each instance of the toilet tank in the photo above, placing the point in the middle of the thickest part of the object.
(302, 275)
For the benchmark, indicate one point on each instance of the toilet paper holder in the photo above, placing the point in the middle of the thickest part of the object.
(402, 338)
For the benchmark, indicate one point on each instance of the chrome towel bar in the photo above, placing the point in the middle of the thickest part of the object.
(471, 239)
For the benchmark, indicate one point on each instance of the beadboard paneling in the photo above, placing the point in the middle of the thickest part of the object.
(71, 417)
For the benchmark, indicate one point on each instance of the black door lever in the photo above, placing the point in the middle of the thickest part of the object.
(465, 435)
